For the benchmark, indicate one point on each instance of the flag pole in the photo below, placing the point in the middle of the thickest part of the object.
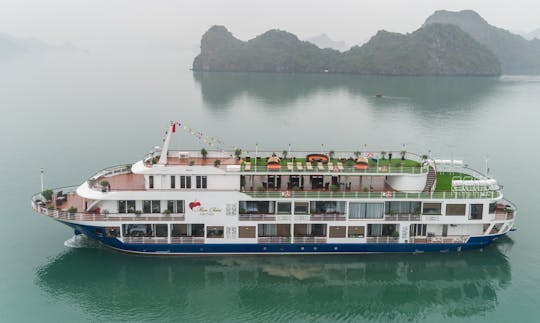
(41, 177)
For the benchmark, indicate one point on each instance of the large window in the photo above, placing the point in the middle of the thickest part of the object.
(327, 207)
(173, 181)
(126, 206)
(153, 206)
(402, 207)
(257, 207)
(201, 181)
(337, 231)
(455, 209)
(151, 181)
(365, 210)
(284, 207)
(301, 207)
(476, 212)
(382, 230)
(267, 230)
(418, 230)
(246, 232)
(432, 208)
(176, 206)
(356, 231)
(137, 230)
(310, 230)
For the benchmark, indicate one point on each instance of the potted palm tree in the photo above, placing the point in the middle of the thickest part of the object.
(331, 154)
(237, 153)
(105, 185)
(403, 153)
(204, 153)
(285, 154)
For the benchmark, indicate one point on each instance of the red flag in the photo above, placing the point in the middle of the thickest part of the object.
(174, 127)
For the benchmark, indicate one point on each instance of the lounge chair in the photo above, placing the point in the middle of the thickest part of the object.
(330, 166)
(340, 166)
(290, 166)
(309, 166)
(320, 166)
(247, 166)
(299, 166)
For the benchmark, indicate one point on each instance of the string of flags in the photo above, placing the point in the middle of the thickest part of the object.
(209, 140)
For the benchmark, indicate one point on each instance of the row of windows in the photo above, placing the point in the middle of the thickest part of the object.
(151, 206)
(359, 210)
(184, 182)
(197, 230)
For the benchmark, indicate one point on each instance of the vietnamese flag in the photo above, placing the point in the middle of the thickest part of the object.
(174, 127)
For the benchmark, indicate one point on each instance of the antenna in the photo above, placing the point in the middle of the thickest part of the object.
(487, 165)
(41, 176)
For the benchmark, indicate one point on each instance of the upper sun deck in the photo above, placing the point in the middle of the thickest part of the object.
(333, 163)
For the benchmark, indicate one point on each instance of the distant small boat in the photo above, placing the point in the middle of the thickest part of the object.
(378, 95)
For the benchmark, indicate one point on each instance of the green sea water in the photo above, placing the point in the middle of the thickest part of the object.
(75, 114)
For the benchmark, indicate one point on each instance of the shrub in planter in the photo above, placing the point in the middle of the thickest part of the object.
(138, 212)
(47, 194)
(204, 153)
(105, 185)
(167, 212)
(50, 207)
(395, 234)
(217, 163)
(72, 210)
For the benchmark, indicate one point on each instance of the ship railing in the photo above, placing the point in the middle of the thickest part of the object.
(257, 217)
(375, 195)
(382, 240)
(402, 217)
(145, 240)
(274, 239)
(112, 171)
(447, 239)
(328, 217)
(110, 217)
(309, 239)
(348, 169)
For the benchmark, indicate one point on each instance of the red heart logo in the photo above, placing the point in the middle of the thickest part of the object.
(193, 205)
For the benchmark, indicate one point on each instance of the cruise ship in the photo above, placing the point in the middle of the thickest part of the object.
(283, 202)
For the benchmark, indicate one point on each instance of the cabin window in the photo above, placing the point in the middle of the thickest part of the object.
(214, 232)
(456, 209)
(432, 208)
(382, 230)
(301, 207)
(310, 230)
(246, 232)
(151, 181)
(402, 207)
(476, 211)
(153, 206)
(137, 230)
(256, 207)
(337, 231)
(284, 207)
(201, 181)
(267, 230)
(356, 231)
(173, 181)
(492, 207)
(126, 206)
(327, 207)
(365, 210)
(176, 206)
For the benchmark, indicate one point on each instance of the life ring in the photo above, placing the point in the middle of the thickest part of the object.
(387, 194)
(286, 194)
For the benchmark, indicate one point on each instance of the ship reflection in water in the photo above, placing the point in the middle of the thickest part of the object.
(117, 286)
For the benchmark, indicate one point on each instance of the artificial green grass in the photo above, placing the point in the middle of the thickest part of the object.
(347, 163)
(444, 180)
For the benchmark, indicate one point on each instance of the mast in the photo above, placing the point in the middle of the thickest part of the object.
(165, 149)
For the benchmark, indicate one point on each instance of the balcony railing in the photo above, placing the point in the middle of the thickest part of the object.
(309, 239)
(382, 240)
(447, 239)
(274, 240)
(324, 169)
(402, 217)
(257, 217)
(375, 195)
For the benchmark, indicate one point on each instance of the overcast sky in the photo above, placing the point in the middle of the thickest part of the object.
(114, 24)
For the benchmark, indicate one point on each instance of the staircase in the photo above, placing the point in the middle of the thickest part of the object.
(431, 178)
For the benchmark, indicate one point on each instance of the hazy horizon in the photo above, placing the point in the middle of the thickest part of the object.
(168, 25)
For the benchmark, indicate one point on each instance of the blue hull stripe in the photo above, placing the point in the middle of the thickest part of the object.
(241, 248)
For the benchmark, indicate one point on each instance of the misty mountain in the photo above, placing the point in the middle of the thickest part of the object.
(323, 41)
(516, 54)
(435, 49)
(533, 34)
(12, 46)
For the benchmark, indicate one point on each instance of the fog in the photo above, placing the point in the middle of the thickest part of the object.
(147, 25)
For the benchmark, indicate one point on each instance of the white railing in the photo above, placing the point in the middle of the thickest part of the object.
(382, 240)
(440, 239)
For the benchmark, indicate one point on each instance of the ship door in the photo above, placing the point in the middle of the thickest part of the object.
(445, 230)
(274, 181)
